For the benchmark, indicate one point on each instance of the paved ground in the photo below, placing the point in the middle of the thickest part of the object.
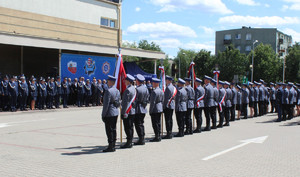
(66, 143)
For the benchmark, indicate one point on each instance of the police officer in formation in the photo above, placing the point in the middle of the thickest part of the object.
(221, 103)
(181, 106)
(190, 106)
(199, 104)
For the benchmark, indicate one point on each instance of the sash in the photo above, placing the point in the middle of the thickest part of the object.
(130, 103)
(11, 86)
(174, 94)
(221, 102)
(199, 99)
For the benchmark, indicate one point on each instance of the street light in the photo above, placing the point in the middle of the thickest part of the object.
(256, 41)
(179, 65)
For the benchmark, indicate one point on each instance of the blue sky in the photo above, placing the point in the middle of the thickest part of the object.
(191, 24)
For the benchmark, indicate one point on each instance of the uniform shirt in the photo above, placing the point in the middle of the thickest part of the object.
(94, 88)
(65, 88)
(23, 89)
(279, 96)
(272, 94)
(209, 96)
(266, 93)
(169, 100)
(99, 88)
(228, 98)
(142, 98)
(291, 96)
(88, 89)
(156, 100)
(181, 100)
(33, 90)
(256, 94)
(298, 96)
(222, 93)
(261, 94)
(295, 96)
(51, 89)
(80, 88)
(251, 95)
(239, 97)
(128, 95)
(234, 96)
(199, 92)
(4, 88)
(216, 95)
(245, 96)
(58, 89)
(13, 88)
(285, 98)
(191, 96)
(111, 97)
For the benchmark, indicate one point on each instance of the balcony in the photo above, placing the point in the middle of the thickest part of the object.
(280, 41)
(227, 41)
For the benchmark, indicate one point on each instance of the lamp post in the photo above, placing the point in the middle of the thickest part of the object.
(179, 65)
(256, 41)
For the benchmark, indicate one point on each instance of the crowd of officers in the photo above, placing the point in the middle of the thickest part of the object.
(209, 96)
(20, 93)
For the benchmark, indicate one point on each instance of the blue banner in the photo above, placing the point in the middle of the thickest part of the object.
(75, 66)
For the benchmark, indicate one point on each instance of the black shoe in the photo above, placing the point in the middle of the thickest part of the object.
(214, 127)
(168, 136)
(186, 133)
(140, 142)
(110, 148)
(220, 126)
(226, 125)
(127, 145)
(207, 129)
(179, 134)
(197, 130)
(277, 120)
(156, 139)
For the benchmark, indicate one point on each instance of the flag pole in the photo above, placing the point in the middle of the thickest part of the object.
(193, 84)
(121, 123)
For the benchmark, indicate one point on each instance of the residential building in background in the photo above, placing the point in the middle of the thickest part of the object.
(36, 35)
(242, 39)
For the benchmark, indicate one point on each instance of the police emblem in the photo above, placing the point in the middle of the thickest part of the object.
(105, 67)
(72, 67)
(90, 67)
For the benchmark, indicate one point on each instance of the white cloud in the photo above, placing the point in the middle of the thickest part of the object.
(267, 5)
(137, 9)
(295, 5)
(198, 46)
(248, 2)
(284, 8)
(168, 43)
(295, 35)
(212, 6)
(207, 30)
(258, 21)
(161, 29)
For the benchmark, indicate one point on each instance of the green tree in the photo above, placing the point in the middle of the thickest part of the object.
(185, 58)
(292, 71)
(267, 65)
(204, 63)
(231, 62)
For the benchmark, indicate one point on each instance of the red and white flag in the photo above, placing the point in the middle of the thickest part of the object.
(120, 75)
(162, 84)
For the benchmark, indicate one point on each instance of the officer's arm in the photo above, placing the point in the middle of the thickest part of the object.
(106, 101)
(152, 101)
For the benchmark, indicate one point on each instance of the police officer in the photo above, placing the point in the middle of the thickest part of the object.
(291, 101)
(199, 104)
(251, 99)
(245, 100)
(239, 101)
(58, 91)
(273, 97)
(110, 113)
(33, 90)
(141, 100)
(216, 98)
(169, 106)
(266, 102)
(23, 93)
(156, 108)
(190, 106)
(228, 99)
(42, 93)
(128, 110)
(256, 98)
(13, 93)
(221, 103)
(88, 93)
(65, 92)
(181, 106)
(5, 93)
(233, 102)
(209, 104)
(94, 91)
(285, 102)
(279, 95)
(99, 92)
(261, 99)
(51, 93)
(80, 92)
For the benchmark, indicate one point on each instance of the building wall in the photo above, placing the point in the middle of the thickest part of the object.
(68, 20)
(265, 36)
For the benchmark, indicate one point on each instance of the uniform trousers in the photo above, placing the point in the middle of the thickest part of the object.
(180, 116)
(57, 100)
(156, 123)
(198, 115)
(128, 126)
(50, 101)
(188, 120)
(261, 107)
(227, 114)
(279, 111)
(273, 106)
(290, 111)
(221, 115)
(79, 100)
(168, 119)
(209, 114)
(87, 100)
(42, 100)
(255, 108)
(5, 101)
(110, 128)
(23, 102)
(65, 100)
(139, 125)
(245, 110)
(13, 102)
(232, 112)
(284, 111)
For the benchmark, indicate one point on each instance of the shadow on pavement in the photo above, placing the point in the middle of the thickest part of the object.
(268, 121)
(290, 124)
(84, 150)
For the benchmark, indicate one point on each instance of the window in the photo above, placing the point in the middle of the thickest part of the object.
(248, 48)
(238, 36)
(227, 37)
(239, 48)
(107, 22)
(248, 37)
